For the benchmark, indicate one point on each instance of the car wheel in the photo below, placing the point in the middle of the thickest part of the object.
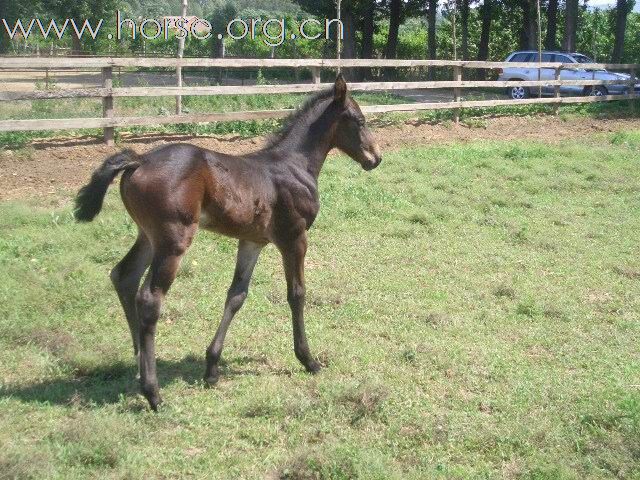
(598, 91)
(518, 93)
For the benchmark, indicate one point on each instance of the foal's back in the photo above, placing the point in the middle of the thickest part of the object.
(190, 185)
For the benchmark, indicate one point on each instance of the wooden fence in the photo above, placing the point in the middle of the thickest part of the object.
(108, 93)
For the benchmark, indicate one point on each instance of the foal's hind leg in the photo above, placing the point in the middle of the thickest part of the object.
(164, 266)
(126, 277)
(248, 253)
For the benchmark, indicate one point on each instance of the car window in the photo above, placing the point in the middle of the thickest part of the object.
(520, 57)
(547, 57)
(583, 59)
(563, 59)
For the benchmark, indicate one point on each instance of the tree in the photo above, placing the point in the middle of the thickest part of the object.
(571, 24)
(464, 19)
(529, 28)
(10, 11)
(80, 11)
(395, 12)
(219, 19)
(349, 34)
(432, 8)
(623, 7)
(485, 32)
(351, 12)
(368, 29)
(552, 25)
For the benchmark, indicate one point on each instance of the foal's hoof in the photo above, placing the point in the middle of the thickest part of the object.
(153, 397)
(211, 374)
(313, 367)
(155, 403)
(211, 380)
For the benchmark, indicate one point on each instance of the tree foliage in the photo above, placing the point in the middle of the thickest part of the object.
(486, 29)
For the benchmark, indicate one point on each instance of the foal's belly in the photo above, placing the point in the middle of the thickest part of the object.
(245, 220)
(237, 200)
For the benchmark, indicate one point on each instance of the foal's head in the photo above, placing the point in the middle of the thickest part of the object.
(352, 135)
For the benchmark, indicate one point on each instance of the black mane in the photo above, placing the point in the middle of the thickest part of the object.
(293, 120)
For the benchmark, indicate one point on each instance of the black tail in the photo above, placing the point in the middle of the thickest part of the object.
(90, 197)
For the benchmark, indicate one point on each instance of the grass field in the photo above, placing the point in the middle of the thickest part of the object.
(476, 306)
(141, 106)
(162, 106)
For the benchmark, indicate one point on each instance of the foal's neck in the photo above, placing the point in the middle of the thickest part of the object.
(308, 143)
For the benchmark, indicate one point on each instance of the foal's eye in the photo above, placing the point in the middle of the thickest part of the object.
(355, 119)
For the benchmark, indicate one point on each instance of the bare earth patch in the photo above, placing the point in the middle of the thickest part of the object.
(51, 166)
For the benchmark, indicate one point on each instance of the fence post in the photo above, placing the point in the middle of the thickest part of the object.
(457, 77)
(179, 84)
(180, 55)
(107, 104)
(632, 89)
(556, 90)
(315, 74)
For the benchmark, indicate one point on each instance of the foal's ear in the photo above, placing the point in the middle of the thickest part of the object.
(340, 89)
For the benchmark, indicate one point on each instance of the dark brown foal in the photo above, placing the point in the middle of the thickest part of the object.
(270, 196)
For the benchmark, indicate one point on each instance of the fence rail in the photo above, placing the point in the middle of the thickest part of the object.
(108, 93)
(172, 62)
(292, 88)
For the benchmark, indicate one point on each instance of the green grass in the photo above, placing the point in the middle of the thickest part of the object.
(142, 106)
(477, 306)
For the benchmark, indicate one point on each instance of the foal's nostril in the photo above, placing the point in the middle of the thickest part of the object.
(377, 155)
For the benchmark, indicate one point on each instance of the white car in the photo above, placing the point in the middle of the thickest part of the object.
(580, 72)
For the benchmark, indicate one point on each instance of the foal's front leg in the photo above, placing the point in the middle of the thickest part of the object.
(248, 253)
(293, 254)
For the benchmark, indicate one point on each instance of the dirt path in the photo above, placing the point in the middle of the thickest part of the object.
(51, 168)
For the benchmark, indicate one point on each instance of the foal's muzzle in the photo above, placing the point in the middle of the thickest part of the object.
(371, 159)
(370, 165)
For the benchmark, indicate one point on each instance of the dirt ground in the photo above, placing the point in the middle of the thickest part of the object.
(53, 167)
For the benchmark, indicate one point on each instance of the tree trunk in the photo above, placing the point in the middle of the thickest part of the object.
(394, 24)
(483, 47)
(8, 11)
(218, 48)
(349, 41)
(76, 45)
(431, 33)
(552, 25)
(368, 29)
(571, 24)
(529, 31)
(464, 18)
(622, 11)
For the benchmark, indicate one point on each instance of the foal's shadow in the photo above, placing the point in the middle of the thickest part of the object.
(105, 384)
